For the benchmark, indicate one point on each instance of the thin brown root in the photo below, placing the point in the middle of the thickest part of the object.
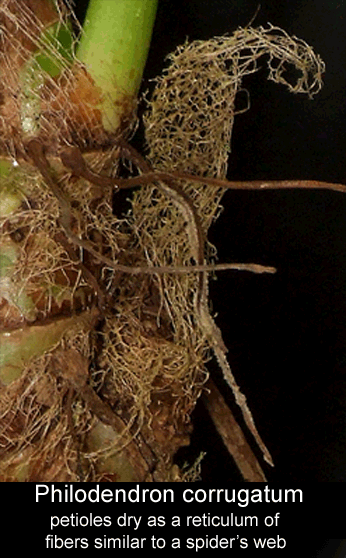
(36, 152)
(149, 178)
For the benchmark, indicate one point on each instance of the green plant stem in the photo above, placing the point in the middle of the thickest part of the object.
(54, 53)
(114, 48)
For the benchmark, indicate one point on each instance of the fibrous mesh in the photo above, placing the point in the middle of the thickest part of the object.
(189, 126)
(47, 92)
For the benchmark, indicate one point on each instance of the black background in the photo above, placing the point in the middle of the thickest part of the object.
(285, 333)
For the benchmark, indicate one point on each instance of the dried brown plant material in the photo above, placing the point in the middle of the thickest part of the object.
(61, 107)
(188, 126)
(232, 435)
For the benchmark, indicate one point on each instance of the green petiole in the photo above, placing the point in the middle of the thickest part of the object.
(114, 48)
